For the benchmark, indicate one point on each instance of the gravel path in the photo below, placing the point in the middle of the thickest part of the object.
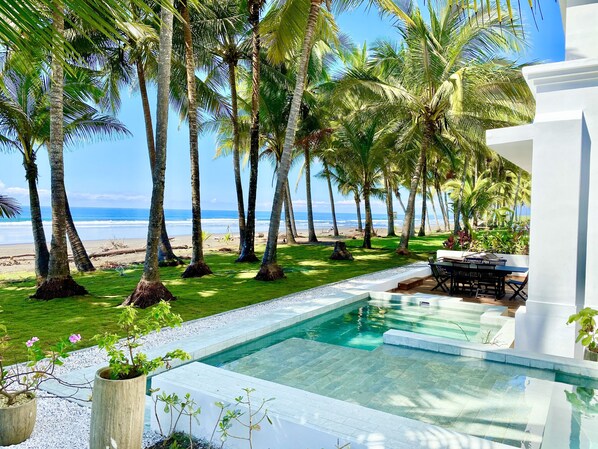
(63, 424)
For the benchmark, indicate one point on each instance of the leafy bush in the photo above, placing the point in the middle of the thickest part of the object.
(505, 241)
(588, 332)
(124, 359)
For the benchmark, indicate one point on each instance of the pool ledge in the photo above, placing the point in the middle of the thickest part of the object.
(493, 353)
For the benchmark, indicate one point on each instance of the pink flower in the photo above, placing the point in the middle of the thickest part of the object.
(75, 338)
(32, 341)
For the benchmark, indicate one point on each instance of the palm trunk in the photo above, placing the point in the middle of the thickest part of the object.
(331, 195)
(515, 199)
(403, 248)
(42, 255)
(390, 213)
(270, 270)
(166, 256)
(59, 283)
(232, 79)
(197, 266)
(422, 227)
(367, 235)
(441, 202)
(287, 220)
(310, 214)
(457, 224)
(438, 228)
(248, 248)
(292, 211)
(428, 221)
(150, 290)
(398, 195)
(80, 256)
(358, 207)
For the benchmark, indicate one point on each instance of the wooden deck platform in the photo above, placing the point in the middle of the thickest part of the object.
(429, 283)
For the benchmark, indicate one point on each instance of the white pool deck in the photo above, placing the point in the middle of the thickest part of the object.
(305, 420)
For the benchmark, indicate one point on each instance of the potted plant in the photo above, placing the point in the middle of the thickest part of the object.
(588, 334)
(18, 384)
(118, 401)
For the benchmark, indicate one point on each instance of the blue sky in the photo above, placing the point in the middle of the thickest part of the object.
(116, 173)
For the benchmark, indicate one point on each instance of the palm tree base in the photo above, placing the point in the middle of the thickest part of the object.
(196, 270)
(249, 257)
(147, 294)
(403, 251)
(62, 287)
(270, 272)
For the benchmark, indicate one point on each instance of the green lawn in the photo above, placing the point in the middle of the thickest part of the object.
(231, 286)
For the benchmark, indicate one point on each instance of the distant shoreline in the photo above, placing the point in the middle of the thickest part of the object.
(18, 257)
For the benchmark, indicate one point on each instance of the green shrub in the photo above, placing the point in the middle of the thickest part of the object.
(505, 241)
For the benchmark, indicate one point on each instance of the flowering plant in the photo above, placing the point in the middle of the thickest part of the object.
(125, 361)
(24, 379)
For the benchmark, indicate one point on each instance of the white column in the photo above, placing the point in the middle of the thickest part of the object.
(561, 160)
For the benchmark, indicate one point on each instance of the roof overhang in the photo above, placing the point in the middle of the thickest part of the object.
(514, 143)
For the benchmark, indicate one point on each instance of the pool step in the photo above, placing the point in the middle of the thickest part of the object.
(410, 284)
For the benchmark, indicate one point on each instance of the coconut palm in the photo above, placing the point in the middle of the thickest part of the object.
(25, 125)
(150, 290)
(446, 84)
(58, 283)
(197, 266)
(477, 196)
(358, 142)
(9, 207)
(247, 254)
(281, 48)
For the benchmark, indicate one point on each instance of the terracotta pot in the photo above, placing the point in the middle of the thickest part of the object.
(16, 423)
(117, 412)
(590, 355)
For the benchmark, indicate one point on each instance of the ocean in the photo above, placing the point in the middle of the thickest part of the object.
(114, 223)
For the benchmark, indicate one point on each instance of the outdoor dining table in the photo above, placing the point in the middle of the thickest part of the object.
(502, 270)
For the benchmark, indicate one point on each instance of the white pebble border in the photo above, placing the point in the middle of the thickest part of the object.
(64, 424)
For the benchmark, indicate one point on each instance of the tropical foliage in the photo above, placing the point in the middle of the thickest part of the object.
(276, 81)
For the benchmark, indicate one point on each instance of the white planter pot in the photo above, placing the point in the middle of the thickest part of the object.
(117, 412)
(16, 423)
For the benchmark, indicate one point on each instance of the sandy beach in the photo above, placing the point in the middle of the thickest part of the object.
(19, 258)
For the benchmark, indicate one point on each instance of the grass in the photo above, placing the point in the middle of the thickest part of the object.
(232, 286)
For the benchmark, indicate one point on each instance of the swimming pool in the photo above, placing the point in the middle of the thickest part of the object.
(362, 325)
(341, 355)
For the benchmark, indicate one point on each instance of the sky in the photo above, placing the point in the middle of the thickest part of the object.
(116, 173)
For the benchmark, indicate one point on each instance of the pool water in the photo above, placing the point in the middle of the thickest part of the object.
(361, 325)
(341, 355)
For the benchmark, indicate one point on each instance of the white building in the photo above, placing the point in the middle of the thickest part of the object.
(557, 149)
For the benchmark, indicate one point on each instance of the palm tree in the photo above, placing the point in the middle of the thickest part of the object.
(197, 266)
(477, 196)
(9, 207)
(248, 246)
(358, 142)
(446, 84)
(150, 290)
(269, 269)
(25, 125)
(59, 283)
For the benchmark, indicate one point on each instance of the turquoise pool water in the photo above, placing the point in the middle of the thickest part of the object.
(363, 324)
(341, 355)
